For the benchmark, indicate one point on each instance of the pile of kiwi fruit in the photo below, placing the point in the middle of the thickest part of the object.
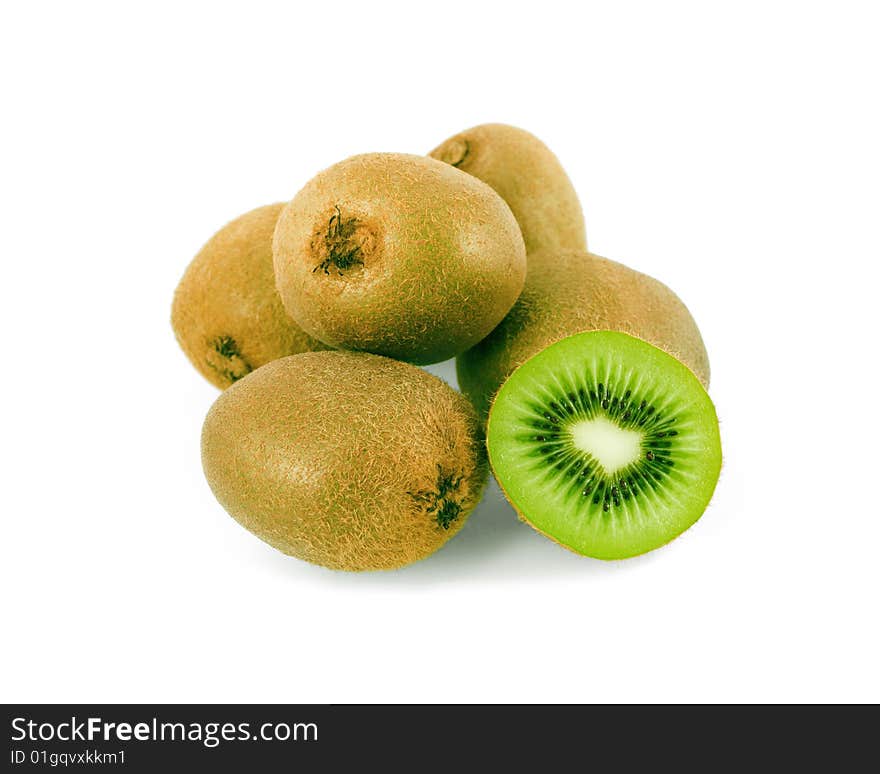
(583, 382)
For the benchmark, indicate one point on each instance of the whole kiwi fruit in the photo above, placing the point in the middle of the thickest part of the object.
(398, 255)
(528, 176)
(345, 459)
(570, 291)
(226, 314)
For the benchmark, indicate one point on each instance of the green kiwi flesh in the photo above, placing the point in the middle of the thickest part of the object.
(605, 444)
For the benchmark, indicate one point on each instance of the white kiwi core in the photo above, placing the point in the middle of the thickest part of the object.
(610, 445)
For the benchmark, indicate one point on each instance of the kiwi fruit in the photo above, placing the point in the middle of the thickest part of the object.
(570, 291)
(227, 315)
(398, 255)
(345, 459)
(605, 444)
(527, 175)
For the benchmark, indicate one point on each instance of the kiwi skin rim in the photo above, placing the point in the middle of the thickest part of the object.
(701, 410)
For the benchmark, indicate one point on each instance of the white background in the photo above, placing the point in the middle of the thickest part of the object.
(731, 150)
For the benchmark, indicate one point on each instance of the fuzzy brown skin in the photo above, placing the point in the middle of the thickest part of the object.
(399, 255)
(528, 176)
(344, 459)
(571, 291)
(226, 314)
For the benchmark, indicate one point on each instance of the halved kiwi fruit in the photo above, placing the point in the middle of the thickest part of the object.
(605, 444)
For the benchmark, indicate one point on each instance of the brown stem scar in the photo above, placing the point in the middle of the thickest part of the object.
(442, 503)
(224, 357)
(342, 246)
